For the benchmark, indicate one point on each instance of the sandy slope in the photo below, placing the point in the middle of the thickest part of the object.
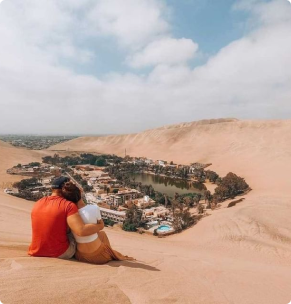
(237, 255)
(264, 146)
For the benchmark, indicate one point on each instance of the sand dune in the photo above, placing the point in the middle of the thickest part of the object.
(236, 255)
(258, 150)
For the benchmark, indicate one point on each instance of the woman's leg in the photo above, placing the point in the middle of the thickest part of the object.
(113, 253)
(104, 238)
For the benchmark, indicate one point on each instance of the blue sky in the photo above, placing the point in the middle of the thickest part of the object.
(212, 24)
(111, 66)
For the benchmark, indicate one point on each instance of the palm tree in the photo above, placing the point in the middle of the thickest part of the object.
(208, 198)
(166, 200)
(197, 199)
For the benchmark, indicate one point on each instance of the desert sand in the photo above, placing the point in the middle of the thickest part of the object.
(236, 255)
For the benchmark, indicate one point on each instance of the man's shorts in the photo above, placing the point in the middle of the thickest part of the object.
(70, 252)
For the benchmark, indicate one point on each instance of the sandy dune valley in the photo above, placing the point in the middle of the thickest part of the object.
(239, 255)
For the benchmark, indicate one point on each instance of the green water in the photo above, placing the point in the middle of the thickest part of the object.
(167, 185)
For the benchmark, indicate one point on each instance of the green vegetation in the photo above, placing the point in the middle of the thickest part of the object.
(108, 222)
(82, 159)
(25, 186)
(101, 161)
(229, 187)
(27, 183)
(182, 218)
(178, 172)
(208, 198)
(192, 199)
(200, 209)
(133, 219)
(211, 176)
(34, 164)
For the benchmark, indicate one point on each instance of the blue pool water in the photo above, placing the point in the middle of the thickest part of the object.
(164, 228)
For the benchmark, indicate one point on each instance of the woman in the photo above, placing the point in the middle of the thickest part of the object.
(95, 248)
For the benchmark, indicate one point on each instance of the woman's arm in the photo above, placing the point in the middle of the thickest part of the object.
(101, 223)
(77, 225)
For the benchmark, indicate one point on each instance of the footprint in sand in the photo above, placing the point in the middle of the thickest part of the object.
(9, 264)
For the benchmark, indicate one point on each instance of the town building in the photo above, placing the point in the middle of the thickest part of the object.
(149, 161)
(156, 212)
(116, 216)
(198, 166)
(126, 195)
(140, 203)
(114, 200)
(161, 163)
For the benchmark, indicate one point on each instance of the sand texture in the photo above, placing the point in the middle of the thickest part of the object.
(236, 255)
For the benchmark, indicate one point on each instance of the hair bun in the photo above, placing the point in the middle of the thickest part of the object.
(71, 192)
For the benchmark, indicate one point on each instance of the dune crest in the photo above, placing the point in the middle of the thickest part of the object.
(249, 148)
(198, 123)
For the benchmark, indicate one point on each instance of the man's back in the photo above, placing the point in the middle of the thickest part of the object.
(49, 226)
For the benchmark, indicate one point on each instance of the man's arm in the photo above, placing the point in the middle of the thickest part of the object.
(77, 225)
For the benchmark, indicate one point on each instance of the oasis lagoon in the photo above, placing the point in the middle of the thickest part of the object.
(168, 185)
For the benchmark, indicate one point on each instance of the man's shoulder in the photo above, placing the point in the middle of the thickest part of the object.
(58, 199)
(40, 201)
(55, 200)
(43, 199)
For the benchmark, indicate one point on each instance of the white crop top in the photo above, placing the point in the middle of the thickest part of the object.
(90, 214)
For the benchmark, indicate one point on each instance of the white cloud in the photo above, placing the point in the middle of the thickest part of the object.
(263, 13)
(133, 22)
(164, 51)
(170, 75)
(249, 78)
(46, 27)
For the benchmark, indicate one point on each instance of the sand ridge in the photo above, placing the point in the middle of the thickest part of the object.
(236, 255)
(228, 144)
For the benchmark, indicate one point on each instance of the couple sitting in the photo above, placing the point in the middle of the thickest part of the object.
(55, 217)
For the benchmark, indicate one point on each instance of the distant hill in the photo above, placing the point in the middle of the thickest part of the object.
(253, 148)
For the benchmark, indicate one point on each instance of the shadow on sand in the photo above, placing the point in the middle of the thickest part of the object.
(132, 264)
(21, 251)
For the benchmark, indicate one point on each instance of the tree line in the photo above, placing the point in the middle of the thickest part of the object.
(82, 159)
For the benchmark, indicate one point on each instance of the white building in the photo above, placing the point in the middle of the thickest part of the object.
(141, 203)
(149, 161)
(161, 163)
(116, 216)
(128, 194)
(91, 198)
(156, 212)
(11, 191)
(114, 200)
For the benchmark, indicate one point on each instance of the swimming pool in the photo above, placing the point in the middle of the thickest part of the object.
(164, 228)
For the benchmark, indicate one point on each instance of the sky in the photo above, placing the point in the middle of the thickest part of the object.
(112, 66)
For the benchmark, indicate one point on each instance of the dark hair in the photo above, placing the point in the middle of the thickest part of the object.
(71, 192)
